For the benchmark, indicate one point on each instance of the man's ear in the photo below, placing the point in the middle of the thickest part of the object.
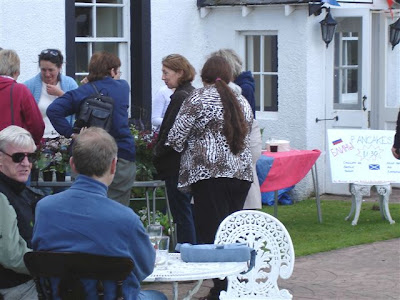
(113, 72)
(72, 164)
(113, 168)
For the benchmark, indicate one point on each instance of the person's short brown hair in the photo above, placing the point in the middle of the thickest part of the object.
(100, 65)
(93, 151)
(177, 62)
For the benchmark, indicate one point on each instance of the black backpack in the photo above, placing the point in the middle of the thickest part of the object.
(95, 110)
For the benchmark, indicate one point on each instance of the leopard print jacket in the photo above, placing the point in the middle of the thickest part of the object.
(198, 134)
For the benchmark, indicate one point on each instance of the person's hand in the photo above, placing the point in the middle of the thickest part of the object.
(83, 129)
(54, 90)
(395, 154)
(84, 80)
(74, 135)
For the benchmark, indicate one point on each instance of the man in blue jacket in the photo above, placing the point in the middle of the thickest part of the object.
(83, 219)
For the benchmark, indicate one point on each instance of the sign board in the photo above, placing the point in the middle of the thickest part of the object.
(362, 156)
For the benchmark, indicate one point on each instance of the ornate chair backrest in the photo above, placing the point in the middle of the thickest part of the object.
(275, 255)
(70, 267)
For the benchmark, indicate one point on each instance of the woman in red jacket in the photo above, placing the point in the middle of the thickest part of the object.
(17, 105)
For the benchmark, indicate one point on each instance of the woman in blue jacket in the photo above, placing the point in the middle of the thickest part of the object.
(104, 73)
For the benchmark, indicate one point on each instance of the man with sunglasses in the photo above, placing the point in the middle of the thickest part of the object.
(17, 206)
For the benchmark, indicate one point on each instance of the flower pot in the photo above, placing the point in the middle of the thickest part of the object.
(34, 175)
(60, 176)
(48, 175)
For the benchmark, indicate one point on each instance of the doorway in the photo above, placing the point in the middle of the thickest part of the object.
(348, 93)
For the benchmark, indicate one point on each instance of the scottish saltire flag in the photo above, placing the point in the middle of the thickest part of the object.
(337, 141)
(374, 167)
(331, 2)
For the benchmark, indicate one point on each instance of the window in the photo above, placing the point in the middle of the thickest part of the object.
(262, 61)
(101, 25)
(347, 62)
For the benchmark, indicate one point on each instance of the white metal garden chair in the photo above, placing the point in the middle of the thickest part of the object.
(275, 255)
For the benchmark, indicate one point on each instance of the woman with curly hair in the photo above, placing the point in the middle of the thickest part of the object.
(212, 130)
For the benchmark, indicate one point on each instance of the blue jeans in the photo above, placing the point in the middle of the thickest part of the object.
(151, 295)
(181, 210)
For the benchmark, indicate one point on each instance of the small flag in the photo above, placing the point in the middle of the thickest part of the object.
(331, 2)
(390, 4)
(374, 167)
(337, 142)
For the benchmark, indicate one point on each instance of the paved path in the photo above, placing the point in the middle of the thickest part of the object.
(370, 271)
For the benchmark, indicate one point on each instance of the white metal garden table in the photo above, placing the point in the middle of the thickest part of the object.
(178, 270)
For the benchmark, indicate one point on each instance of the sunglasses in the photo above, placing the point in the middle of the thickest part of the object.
(19, 156)
(50, 51)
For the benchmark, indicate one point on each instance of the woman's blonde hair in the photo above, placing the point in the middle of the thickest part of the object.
(9, 62)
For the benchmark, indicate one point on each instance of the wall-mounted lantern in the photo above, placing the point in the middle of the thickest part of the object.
(394, 34)
(328, 27)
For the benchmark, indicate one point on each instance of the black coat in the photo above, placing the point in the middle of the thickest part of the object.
(166, 160)
(396, 143)
(23, 199)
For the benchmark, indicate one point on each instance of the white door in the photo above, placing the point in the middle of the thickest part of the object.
(348, 93)
(385, 81)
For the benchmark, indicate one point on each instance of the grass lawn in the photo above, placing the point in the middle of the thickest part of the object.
(310, 237)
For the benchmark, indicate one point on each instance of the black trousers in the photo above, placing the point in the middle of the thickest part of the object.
(214, 200)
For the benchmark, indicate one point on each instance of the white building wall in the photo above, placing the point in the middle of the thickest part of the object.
(28, 27)
(299, 61)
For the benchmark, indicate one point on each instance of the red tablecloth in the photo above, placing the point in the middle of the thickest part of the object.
(288, 168)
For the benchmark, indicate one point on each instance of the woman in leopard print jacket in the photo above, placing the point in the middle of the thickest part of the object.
(212, 131)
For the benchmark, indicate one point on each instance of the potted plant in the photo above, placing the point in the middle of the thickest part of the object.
(60, 166)
(144, 143)
(54, 157)
(44, 164)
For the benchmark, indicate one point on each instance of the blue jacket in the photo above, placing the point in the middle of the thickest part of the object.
(69, 103)
(83, 219)
(35, 86)
(246, 81)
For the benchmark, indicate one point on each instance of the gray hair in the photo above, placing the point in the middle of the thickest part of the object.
(9, 62)
(16, 136)
(93, 151)
(233, 59)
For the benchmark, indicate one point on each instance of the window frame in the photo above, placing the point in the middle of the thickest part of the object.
(249, 60)
(342, 100)
(123, 41)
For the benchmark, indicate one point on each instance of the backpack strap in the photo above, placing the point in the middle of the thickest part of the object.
(12, 104)
(94, 87)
